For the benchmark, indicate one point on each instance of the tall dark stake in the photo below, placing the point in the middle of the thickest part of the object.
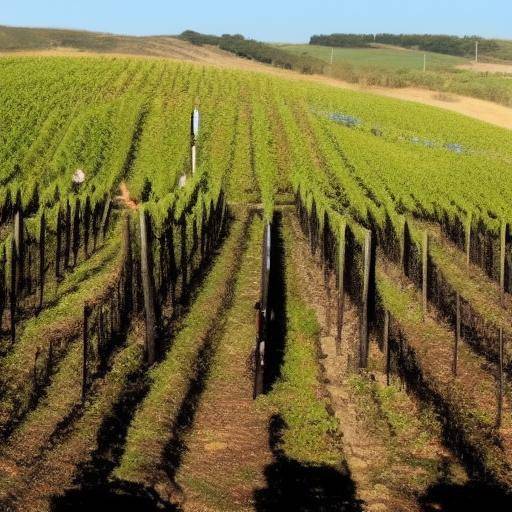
(363, 343)
(148, 289)
(341, 285)
(42, 269)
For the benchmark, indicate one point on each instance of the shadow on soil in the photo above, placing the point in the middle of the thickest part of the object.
(95, 491)
(471, 497)
(277, 305)
(292, 485)
(125, 497)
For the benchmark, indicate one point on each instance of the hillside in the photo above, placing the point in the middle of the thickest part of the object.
(135, 371)
(18, 39)
(383, 81)
(385, 57)
(488, 49)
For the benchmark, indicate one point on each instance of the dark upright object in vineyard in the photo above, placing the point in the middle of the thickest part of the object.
(85, 353)
(468, 238)
(501, 379)
(18, 203)
(404, 247)
(223, 213)
(3, 287)
(503, 248)
(67, 235)
(13, 296)
(76, 231)
(96, 214)
(203, 233)
(183, 257)
(58, 245)
(385, 345)
(457, 334)
(35, 369)
(19, 239)
(148, 288)
(424, 274)
(263, 313)
(87, 225)
(42, 268)
(341, 285)
(128, 265)
(173, 271)
(106, 217)
(363, 340)
(327, 283)
(28, 277)
(7, 207)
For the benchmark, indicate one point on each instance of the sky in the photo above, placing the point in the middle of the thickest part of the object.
(266, 20)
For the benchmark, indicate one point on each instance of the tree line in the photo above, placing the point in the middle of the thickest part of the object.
(451, 45)
(256, 50)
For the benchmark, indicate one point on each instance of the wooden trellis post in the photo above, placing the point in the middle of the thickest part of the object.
(222, 214)
(106, 217)
(42, 268)
(183, 256)
(67, 235)
(468, 239)
(58, 246)
(13, 300)
(37, 355)
(85, 352)
(341, 285)
(501, 383)
(19, 240)
(76, 231)
(87, 225)
(425, 274)
(3, 286)
(128, 265)
(457, 334)
(363, 342)
(385, 345)
(148, 289)
(403, 247)
(503, 246)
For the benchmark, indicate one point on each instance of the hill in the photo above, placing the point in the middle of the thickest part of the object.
(20, 39)
(387, 69)
(129, 350)
(488, 49)
(382, 56)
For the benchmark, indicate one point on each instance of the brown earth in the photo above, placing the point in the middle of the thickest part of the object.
(388, 467)
(487, 67)
(226, 451)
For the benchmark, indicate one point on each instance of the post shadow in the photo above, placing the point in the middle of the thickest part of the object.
(277, 306)
(302, 487)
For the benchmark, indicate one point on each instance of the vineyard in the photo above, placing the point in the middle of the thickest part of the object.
(311, 310)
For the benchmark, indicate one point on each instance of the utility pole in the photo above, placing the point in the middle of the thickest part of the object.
(476, 51)
(424, 62)
(332, 55)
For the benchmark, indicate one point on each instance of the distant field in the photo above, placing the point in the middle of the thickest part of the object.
(389, 58)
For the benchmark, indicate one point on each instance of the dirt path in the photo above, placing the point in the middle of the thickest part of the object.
(390, 466)
(227, 449)
(172, 48)
(487, 67)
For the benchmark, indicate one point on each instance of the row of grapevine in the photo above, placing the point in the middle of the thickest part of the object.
(42, 248)
(165, 248)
